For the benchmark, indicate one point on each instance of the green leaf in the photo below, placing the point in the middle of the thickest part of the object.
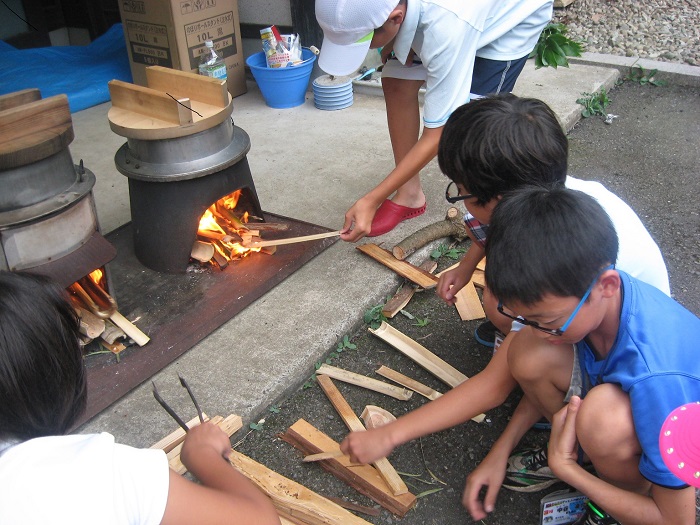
(274, 409)
(428, 492)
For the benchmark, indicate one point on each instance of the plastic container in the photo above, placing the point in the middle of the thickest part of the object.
(211, 64)
(282, 87)
(332, 93)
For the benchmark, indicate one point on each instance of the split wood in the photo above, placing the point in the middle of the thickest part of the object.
(230, 425)
(363, 478)
(130, 329)
(468, 303)
(375, 417)
(451, 226)
(354, 424)
(424, 357)
(404, 295)
(369, 383)
(289, 240)
(311, 458)
(408, 382)
(404, 269)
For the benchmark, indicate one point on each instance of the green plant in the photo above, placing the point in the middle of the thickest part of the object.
(554, 46)
(643, 76)
(594, 103)
(445, 251)
(374, 316)
(274, 409)
(421, 322)
(345, 344)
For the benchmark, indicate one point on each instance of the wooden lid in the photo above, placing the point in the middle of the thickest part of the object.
(31, 128)
(175, 104)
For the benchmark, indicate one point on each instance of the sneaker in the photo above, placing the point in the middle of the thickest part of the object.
(485, 334)
(528, 471)
(594, 515)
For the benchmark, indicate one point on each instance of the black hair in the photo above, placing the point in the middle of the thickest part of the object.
(498, 143)
(43, 389)
(547, 241)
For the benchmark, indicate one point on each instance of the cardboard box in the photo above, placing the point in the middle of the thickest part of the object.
(172, 33)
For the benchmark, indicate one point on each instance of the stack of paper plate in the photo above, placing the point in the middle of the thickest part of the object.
(331, 93)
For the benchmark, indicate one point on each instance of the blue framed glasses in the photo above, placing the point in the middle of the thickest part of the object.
(555, 331)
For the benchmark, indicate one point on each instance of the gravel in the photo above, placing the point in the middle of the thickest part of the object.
(664, 30)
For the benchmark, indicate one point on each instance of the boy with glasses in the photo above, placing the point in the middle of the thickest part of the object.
(459, 50)
(489, 147)
(551, 259)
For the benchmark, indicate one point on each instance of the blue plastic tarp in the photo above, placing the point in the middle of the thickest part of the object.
(80, 72)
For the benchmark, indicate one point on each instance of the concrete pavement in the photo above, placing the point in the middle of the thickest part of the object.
(312, 168)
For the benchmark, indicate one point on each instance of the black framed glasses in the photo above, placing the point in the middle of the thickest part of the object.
(555, 331)
(452, 199)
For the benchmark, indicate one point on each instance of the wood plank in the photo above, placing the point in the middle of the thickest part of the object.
(479, 278)
(321, 456)
(353, 422)
(363, 478)
(176, 437)
(18, 98)
(149, 102)
(481, 265)
(369, 383)
(421, 355)
(402, 297)
(289, 240)
(185, 84)
(129, 328)
(408, 382)
(291, 499)
(468, 303)
(230, 425)
(404, 269)
(34, 131)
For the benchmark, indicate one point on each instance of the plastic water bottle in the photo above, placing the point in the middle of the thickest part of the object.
(211, 64)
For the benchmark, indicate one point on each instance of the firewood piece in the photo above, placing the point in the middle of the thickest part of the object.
(268, 250)
(87, 301)
(291, 499)
(311, 458)
(402, 297)
(230, 425)
(176, 437)
(404, 269)
(468, 303)
(112, 332)
(202, 251)
(451, 225)
(150, 102)
(90, 325)
(363, 478)
(269, 226)
(421, 355)
(220, 210)
(346, 376)
(115, 348)
(375, 417)
(289, 240)
(353, 422)
(218, 236)
(129, 329)
(408, 382)
(481, 265)
(441, 272)
(220, 260)
(479, 278)
(100, 297)
(370, 511)
(185, 84)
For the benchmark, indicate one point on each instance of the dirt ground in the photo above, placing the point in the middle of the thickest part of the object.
(649, 156)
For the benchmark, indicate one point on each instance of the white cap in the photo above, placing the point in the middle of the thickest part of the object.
(348, 27)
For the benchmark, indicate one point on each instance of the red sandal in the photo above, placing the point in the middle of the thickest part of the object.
(389, 214)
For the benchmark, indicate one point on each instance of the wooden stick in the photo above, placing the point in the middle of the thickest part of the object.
(90, 325)
(452, 225)
(468, 303)
(129, 329)
(291, 499)
(402, 297)
(404, 269)
(323, 455)
(363, 478)
(185, 84)
(353, 422)
(421, 355)
(176, 437)
(406, 381)
(365, 382)
(479, 278)
(290, 240)
(370, 511)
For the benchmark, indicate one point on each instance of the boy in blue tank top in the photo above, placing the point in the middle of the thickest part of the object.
(551, 256)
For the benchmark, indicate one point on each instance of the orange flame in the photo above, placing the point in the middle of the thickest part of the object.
(96, 275)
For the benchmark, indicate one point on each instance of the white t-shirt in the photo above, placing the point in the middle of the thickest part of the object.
(448, 34)
(82, 480)
(638, 254)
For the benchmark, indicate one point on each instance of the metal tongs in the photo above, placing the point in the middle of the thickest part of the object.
(170, 411)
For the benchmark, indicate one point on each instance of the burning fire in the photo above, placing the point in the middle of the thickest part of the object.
(96, 276)
(226, 231)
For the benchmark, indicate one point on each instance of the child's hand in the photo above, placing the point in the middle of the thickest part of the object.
(367, 446)
(452, 282)
(206, 436)
(359, 218)
(490, 473)
(563, 446)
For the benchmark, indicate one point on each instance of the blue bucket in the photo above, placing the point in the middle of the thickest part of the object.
(283, 87)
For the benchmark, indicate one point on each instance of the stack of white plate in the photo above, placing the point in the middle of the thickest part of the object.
(331, 93)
